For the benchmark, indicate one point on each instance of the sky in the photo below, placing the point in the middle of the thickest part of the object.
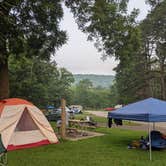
(79, 56)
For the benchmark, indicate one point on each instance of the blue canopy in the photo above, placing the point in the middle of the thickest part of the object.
(148, 110)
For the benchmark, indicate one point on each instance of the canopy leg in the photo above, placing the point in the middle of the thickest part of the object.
(150, 145)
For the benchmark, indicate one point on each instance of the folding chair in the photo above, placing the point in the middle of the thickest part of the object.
(3, 159)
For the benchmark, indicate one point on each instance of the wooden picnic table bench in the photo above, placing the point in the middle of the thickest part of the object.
(81, 123)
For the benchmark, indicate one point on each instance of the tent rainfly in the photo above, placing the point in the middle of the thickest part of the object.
(148, 110)
(23, 125)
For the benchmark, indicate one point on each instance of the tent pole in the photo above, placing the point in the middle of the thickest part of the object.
(150, 146)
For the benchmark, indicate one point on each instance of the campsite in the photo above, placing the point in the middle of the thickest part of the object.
(82, 82)
(24, 127)
(104, 149)
(110, 148)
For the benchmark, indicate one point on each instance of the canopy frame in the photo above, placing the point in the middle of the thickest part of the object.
(150, 143)
(150, 110)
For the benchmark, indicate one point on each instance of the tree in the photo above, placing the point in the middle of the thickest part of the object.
(141, 71)
(140, 48)
(154, 39)
(38, 81)
(82, 92)
(90, 97)
(30, 28)
(106, 22)
(154, 3)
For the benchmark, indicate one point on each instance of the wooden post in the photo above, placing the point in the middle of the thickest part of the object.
(63, 118)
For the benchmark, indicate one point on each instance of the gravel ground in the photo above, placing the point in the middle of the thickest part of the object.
(99, 113)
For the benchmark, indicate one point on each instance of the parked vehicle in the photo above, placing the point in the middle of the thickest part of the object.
(109, 109)
(76, 109)
(55, 114)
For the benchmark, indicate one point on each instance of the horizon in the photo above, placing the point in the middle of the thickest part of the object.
(94, 74)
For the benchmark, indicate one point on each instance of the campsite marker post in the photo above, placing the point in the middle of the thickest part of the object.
(63, 117)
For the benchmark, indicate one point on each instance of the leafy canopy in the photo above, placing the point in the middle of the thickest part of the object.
(31, 27)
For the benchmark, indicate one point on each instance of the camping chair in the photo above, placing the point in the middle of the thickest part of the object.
(3, 159)
(157, 141)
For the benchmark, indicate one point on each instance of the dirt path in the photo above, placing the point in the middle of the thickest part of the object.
(99, 113)
(142, 125)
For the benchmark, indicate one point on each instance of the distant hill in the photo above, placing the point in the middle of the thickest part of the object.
(97, 80)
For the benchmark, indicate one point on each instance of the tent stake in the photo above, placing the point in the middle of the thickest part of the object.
(150, 146)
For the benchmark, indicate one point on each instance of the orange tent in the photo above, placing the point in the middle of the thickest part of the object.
(23, 125)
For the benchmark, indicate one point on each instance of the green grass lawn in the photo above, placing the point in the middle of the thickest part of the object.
(102, 120)
(95, 118)
(110, 149)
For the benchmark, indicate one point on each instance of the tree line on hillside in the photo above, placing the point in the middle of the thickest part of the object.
(30, 29)
(97, 80)
(90, 97)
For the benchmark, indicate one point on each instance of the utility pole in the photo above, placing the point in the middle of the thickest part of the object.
(63, 118)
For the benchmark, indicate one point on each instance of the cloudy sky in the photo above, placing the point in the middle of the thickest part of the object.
(79, 56)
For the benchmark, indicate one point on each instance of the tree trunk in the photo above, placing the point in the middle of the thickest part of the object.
(162, 83)
(148, 90)
(4, 79)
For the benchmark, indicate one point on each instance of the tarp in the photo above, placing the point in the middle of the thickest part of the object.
(148, 110)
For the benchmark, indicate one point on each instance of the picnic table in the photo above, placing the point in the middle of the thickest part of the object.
(81, 123)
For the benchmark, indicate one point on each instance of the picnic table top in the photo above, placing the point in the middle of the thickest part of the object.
(79, 121)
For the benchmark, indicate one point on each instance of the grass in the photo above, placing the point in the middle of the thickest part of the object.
(110, 149)
(103, 120)
(95, 118)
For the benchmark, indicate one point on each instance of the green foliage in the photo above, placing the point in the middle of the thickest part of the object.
(90, 97)
(105, 22)
(116, 34)
(141, 71)
(38, 81)
(31, 27)
(154, 47)
(140, 48)
(114, 95)
(154, 3)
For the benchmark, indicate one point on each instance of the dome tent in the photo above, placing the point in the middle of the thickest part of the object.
(23, 125)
